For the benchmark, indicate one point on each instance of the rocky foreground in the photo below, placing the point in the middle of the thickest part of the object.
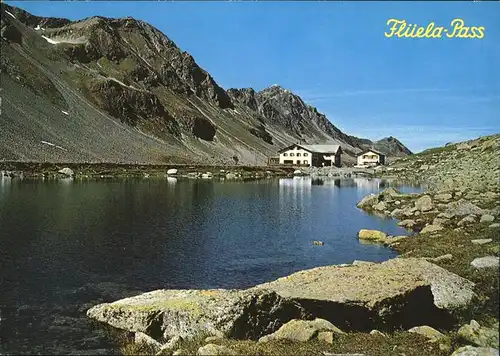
(440, 297)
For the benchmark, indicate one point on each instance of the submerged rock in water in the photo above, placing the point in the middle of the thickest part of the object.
(378, 236)
(371, 235)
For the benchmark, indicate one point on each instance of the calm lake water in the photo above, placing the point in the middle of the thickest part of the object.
(66, 245)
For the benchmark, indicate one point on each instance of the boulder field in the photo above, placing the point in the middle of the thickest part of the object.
(430, 212)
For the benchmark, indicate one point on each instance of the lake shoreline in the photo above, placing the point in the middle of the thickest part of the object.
(114, 170)
(38, 170)
(457, 247)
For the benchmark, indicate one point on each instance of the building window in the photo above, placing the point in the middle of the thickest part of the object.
(285, 154)
(306, 162)
(306, 154)
(298, 154)
(292, 154)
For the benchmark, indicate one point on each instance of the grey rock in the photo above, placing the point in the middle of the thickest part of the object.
(66, 171)
(440, 222)
(326, 336)
(463, 208)
(429, 332)
(301, 330)
(170, 346)
(381, 206)
(377, 333)
(333, 292)
(424, 203)
(368, 201)
(172, 171)
(397, 213)
(446, 215)
(375, 235)
(212, 349)
(188, 313)
(408, 223)
(211, 339)
(409, 211)
(476, 335)
(495, 225)
(447, 257)
(470, 219)
(485, 262)
(141, 338)
(443, 197)
(389, 194)
(429, 229)
(487, 218)
(230, 176)
(481, 241)
(475, 351)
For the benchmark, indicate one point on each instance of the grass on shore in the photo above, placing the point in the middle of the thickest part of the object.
(374, 345)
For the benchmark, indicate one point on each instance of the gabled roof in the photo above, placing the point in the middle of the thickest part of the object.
(371, 150)
(333, 149)
(323, 148)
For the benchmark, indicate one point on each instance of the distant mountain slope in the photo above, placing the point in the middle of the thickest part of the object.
(119, 90)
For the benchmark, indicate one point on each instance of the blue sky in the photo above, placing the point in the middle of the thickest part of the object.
(426, 92)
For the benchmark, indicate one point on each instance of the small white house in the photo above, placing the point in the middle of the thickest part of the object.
(371, 158)
(311, 155)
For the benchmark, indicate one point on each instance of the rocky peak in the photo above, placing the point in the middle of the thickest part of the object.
(244, 96)
(33, 21)
(392, 146)
(145, 50)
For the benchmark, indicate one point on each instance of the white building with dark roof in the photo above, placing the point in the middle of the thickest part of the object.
(370, 158)
(311, 155)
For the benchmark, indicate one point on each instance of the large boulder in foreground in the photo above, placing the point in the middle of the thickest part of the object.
(402, 292)
(399, 293)
(163, 314)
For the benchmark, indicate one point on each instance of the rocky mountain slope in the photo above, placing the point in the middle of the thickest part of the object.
(471, 166)
(119, 90)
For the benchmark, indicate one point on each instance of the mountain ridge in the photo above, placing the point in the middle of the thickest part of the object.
(126, 70)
